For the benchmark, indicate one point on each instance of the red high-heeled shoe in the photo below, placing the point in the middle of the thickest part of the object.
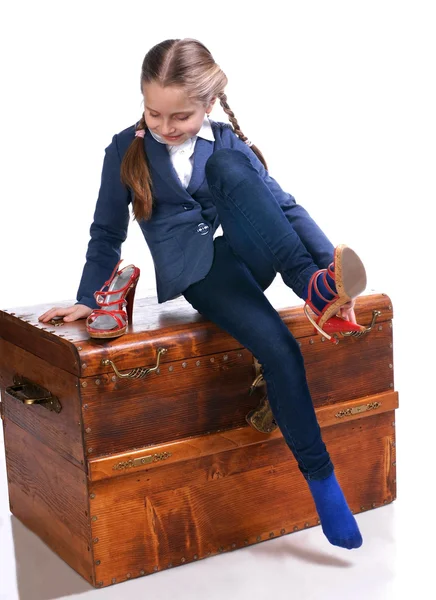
(349, 276)
(116, 303)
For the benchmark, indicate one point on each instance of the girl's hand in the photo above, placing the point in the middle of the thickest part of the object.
(347, 311)
(70, 313)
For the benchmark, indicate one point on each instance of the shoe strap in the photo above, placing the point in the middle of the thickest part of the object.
(115, 314)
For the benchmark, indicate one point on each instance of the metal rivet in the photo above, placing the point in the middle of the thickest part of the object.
(195, 556)
(170, 565)
(395, 481)
(282, 531)
(295, 527)
(90, 450)
(362, 508)
(245, 542)
(322, 338)
(84, 365)
(220, 549)
(380, 327)
(114, 580)
(198, 363)
(233, 545)
(99, 583)
(84, 383)
(97, 382)
(271, 534)
(95, 540)
(92, 496)
(373, 504)
(98, 562)
(85, 406)
(385, 501)
(311, 341)
(390, 366)
(390, 307)
(391, 385)
(158, 371)
(225, 357)
(155, 568)
(318, 521)
(182, 559)
(393, 444)
(128, 575)
(170, 369)
(258, 538)
(391, 345)
(212, 359)
(394, 463)
(142, 572)
(306, 524)
(94, 518)
(208, 554)
(88, 430)
(390, 325)
(79, 347)
(114, 378)
(239, 355)
(299, 343)
(393, 423)
(184, 365)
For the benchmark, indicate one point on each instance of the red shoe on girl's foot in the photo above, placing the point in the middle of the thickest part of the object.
(111, 319)
(348, 276)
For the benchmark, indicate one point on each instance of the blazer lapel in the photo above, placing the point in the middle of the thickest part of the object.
(203, 149)
(160, 160)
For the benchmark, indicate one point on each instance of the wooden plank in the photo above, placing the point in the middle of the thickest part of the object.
(49, 495)
(161, 455)
(227, 500)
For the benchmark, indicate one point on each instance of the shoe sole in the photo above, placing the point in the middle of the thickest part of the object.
(350, 279)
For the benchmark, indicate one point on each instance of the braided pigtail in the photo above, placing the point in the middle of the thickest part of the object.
(223, 101)
(135, 174)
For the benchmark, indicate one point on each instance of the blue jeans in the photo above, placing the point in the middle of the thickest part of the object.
(258, 242)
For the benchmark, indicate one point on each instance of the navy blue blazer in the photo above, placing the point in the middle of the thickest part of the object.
(180, 232)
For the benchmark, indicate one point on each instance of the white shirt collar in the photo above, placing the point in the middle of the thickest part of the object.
(205, 132)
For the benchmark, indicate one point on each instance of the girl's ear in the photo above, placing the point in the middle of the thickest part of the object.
(211, 104)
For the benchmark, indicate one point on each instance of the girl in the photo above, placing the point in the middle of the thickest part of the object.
(186, 175)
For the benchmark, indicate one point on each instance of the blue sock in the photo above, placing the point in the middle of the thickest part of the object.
(337, 521)
(318, 302)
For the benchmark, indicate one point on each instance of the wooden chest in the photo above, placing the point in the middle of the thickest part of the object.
(124, 472)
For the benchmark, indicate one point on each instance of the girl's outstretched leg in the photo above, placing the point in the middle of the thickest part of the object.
(231, 296)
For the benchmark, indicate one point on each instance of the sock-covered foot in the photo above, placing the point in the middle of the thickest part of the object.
(326, 287)
(337, 522)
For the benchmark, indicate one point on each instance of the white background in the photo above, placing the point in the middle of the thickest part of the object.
(340, 98)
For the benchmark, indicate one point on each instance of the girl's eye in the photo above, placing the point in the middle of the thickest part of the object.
(183, 118)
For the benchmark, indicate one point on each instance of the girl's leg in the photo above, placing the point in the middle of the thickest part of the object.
(231, 296)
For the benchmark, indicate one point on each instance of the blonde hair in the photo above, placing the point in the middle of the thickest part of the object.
(185, 63)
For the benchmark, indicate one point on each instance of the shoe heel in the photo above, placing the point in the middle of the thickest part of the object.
(130, 299)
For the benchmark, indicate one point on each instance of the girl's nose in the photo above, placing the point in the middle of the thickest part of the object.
(167, 128)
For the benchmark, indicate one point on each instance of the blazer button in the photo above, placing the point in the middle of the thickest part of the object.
(203, 228)
(188, 206)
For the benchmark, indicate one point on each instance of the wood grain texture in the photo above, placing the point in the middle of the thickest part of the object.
(49, 495)
(180, 513)
(117, 465)
(61, 432)
(175, 325)
(193, 396)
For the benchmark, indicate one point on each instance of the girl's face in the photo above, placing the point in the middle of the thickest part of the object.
(171, 114)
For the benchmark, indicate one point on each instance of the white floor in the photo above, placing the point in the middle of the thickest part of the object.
(396, 557)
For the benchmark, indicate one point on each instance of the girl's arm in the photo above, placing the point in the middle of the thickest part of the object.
(108, 230)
